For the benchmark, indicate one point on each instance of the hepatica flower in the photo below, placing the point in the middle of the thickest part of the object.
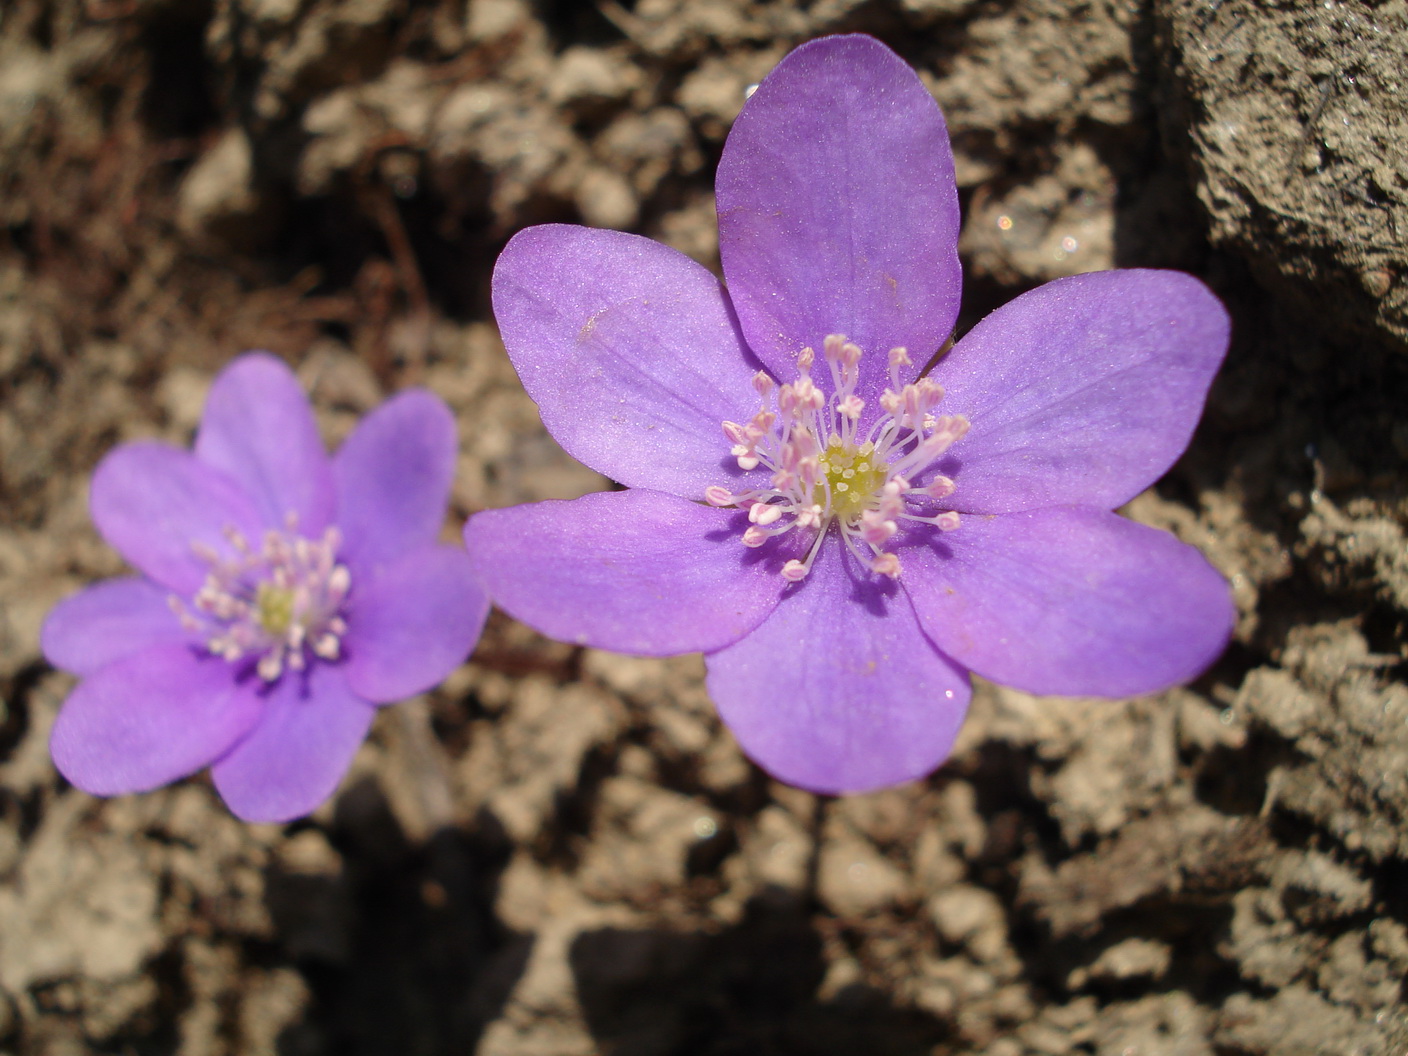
(845, 538)
(283, 597)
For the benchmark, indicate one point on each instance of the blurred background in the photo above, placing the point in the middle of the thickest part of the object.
(560, 852)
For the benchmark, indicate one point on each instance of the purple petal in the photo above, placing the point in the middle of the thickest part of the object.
(152, 502)
(839, 691)
(631, 352)
(1069, 600)
(413, 624)
(838, 209)
(295, 757)
(149, 719)
(393, 479)
(106, 622)
(258, 428)
(632, 571)
(1083, 391)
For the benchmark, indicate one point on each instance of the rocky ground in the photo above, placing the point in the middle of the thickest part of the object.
(560, 851)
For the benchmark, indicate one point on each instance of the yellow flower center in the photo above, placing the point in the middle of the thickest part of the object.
(853, 476)
(274, 609)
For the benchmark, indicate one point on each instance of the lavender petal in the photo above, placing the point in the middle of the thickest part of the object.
(257, 427)
(293, 760)
(1069, 600)
(1083, 391)
(152, 502)
(839, 690)
(108, 621)
(838, 210)
(393, 478)
(630, 350)
(413, 624)
(633, 571)
(148, 719)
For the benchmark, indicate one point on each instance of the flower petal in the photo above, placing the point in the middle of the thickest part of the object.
(1070, 600)
(151, 502)
(295, 757)
(106, 622)
(413, 624)
(838, 209)
(632, 571)
(1083, 391)
(257, 427)
(838, 690)
(393, 479)
(630, 350)
(148, 719)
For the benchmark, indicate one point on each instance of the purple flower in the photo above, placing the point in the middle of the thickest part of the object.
(284, 596)
(844, 538)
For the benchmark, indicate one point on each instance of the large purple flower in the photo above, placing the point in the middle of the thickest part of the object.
(284, 595)
(857, 538)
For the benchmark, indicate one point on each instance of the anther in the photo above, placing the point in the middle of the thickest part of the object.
(794, 571)
(717, 496)
(764, 513)
(886, 565)
(939, 488)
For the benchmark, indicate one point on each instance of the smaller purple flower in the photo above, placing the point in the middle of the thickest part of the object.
(844, 537)
(283, 597)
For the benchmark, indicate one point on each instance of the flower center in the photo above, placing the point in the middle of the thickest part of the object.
(273, 608)
(852, 477)
(825, 472)
(278, 603)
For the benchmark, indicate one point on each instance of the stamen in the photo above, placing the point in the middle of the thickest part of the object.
(764, 513)
(717, 496)
(271, 665)
(886, 565)
(939, 488)
(755, 536)
(794, 571)
(877, 529)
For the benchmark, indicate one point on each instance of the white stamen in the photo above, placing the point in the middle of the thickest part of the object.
(939, 488)
(886, 565)
(764, 513)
